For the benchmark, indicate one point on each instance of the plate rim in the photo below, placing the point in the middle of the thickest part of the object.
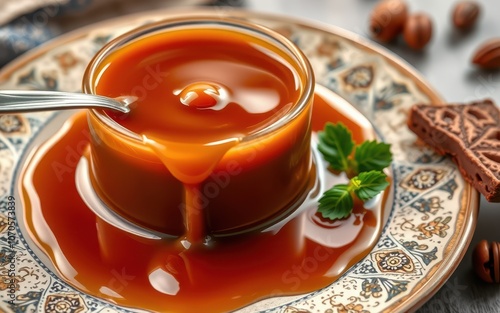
(460, 240)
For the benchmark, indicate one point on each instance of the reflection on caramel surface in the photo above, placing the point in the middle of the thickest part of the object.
(302, 255)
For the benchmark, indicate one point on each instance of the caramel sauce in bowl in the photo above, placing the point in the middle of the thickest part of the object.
(204, 198)
(222, 120)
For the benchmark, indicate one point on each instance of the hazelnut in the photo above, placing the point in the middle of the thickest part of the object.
(417, 30)
(465, 14)
(486, 261)
(387, 19)
(487, 55)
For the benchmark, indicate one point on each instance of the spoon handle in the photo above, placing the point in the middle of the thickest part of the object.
(16, 101)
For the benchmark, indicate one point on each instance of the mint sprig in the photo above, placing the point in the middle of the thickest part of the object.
(372, 155)
(336, 144)
(338, 201)
(369, 184)
(338, 197)
(365, 162)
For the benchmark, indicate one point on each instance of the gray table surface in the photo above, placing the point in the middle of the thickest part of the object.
(445, 64)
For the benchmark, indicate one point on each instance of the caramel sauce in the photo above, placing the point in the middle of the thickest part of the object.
(201, 93)
(305, 254)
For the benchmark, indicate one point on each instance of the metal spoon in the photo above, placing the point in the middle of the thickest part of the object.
(16, 101)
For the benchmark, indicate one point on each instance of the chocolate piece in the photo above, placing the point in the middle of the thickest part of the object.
(470, 134)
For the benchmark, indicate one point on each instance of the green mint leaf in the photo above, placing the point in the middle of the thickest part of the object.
(368, 184)
(336, 203)
(372, 155)
(336, 144)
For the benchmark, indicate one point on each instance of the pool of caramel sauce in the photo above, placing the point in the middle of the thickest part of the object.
(303, 255)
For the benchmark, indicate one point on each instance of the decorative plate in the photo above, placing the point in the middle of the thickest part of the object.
(433, 212)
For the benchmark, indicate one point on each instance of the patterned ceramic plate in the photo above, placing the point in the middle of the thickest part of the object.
(433, 210)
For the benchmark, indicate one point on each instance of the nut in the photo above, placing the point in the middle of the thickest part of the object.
(465, 14)
(486, 261)
(417, 30)
(487, 56)
(387, 19)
